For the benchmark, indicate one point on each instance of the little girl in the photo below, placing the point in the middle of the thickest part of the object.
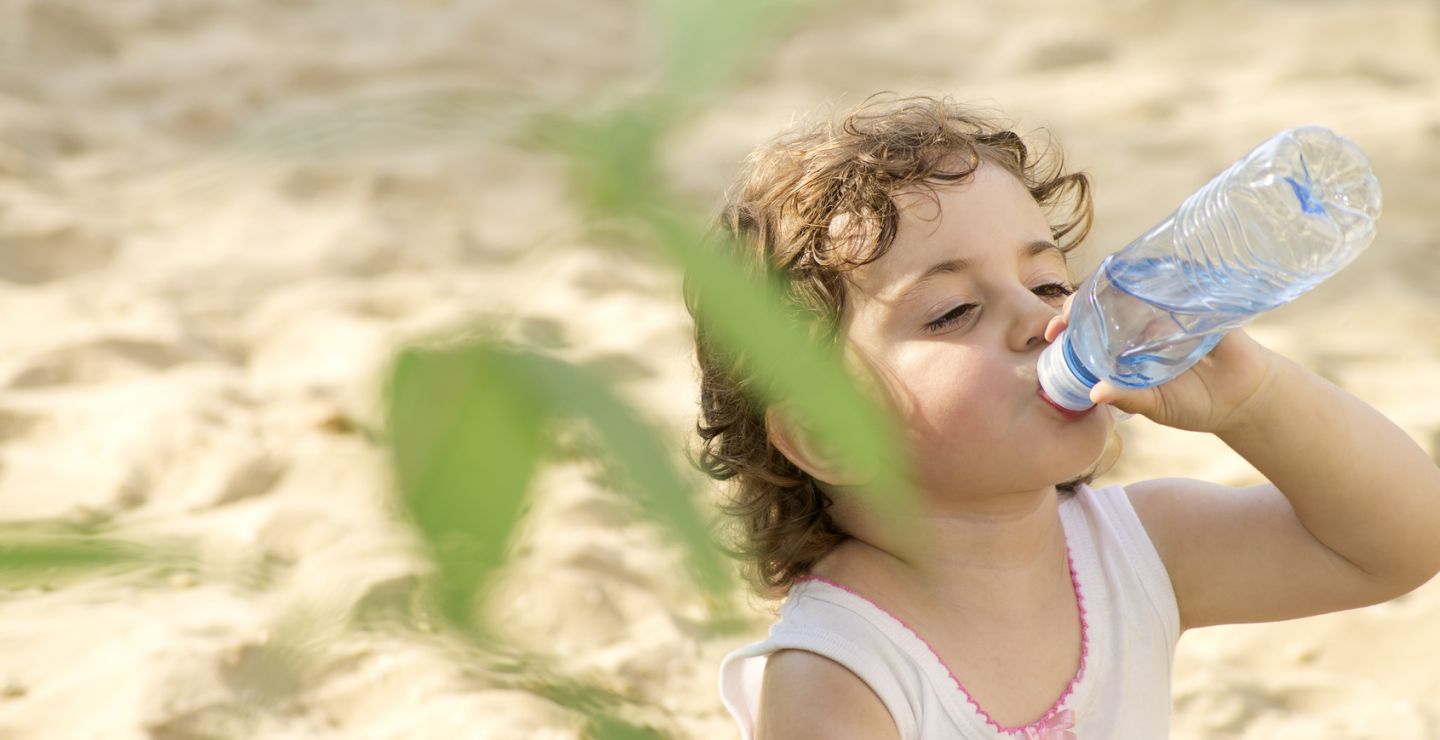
(931, 245)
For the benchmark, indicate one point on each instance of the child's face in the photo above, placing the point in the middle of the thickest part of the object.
(961, 346)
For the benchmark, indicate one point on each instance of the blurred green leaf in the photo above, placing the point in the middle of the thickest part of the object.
(465, 433)
(51, 554)
(467, 427)
(809, 377)
(705, 42)
(614, 728)
(614, 159)
(796, 369)
(47, 558)
(467, 430)
(636, 447)
(602, 707)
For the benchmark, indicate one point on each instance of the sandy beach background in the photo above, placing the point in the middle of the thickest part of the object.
(218, 219)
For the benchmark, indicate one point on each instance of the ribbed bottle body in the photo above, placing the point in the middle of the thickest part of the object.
(1270, 227)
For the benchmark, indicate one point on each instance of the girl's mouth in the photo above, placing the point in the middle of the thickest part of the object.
(1067, 413)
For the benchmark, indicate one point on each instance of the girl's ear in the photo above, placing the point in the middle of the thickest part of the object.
(798, 445)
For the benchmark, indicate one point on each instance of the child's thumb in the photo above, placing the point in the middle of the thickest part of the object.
(1129, 400)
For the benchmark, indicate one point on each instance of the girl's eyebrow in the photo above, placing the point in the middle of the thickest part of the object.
(961, 264)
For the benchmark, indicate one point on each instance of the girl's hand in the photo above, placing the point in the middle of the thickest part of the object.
(1216, 394)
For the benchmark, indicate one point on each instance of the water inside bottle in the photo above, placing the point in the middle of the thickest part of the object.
(1161, 316)
(1190, 287)
(1140, 344)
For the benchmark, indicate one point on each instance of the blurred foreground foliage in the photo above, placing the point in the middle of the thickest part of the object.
(467, 422)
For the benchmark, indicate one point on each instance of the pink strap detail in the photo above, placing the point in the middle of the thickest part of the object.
(1058, 727)
(1056, 723)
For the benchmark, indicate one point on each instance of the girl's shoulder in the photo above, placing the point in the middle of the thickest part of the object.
(826, 666)
(807, 695)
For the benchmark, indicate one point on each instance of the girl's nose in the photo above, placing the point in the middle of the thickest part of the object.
(1031, 314)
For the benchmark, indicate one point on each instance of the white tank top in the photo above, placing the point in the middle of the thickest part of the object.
(1130, 624)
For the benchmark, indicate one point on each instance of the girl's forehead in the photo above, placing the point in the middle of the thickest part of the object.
(963, 222)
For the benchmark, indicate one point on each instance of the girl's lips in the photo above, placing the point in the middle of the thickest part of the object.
(1067, 413)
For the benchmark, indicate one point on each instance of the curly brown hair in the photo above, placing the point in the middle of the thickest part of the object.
(808, 207)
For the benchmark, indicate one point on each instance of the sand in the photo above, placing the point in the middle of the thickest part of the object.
(218, 220)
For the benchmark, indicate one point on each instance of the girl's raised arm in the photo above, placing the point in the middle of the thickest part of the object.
(1352, 515)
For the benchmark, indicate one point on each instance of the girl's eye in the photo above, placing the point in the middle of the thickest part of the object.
(952, 316)
(1054, 290)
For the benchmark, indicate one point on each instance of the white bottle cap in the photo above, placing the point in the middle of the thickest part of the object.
(1061, 383)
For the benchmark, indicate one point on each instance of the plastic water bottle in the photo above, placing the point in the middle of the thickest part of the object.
(1270, 227)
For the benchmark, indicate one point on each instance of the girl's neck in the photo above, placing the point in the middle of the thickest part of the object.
(999, 559)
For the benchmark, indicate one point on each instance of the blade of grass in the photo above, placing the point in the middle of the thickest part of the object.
(466, 439)
(30, 556)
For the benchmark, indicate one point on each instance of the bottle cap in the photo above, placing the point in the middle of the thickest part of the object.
(1063, 379)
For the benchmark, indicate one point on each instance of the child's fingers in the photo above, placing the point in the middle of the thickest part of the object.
(1058, 324)
(1053, 329)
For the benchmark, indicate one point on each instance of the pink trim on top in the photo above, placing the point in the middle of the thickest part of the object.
(1055, 722)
